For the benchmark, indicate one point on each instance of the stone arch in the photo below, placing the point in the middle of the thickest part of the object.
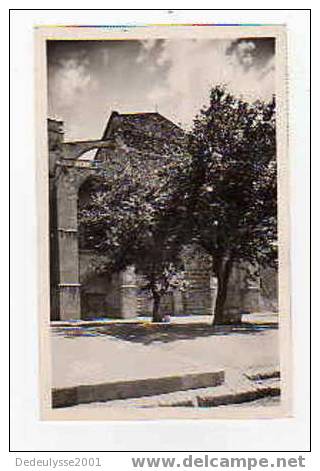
(102, 294)
(68, 259)
(75, 150)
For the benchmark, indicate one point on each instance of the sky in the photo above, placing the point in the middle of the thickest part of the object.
(87, 80)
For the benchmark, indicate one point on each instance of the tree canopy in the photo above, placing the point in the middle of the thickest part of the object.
(233, 198)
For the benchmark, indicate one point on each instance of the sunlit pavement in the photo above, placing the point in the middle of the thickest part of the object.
(113, 350)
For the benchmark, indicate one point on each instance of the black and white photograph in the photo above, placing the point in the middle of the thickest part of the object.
(166, 287)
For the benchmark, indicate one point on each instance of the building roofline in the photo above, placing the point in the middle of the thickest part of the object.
(106, 133)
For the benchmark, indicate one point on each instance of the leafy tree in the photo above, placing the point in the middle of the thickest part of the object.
(233, 186)
(136, 214)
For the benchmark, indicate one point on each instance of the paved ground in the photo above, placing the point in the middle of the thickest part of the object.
(106, 351)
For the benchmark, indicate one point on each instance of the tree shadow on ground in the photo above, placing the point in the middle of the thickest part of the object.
(147, 333)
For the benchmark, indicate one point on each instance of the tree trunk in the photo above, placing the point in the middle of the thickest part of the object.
(156, 311)
(223, 275)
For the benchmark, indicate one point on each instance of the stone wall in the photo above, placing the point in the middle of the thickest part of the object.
(198, 297)
(269, 289)
(105, 295)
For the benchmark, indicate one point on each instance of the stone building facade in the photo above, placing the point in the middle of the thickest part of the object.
(78, 290)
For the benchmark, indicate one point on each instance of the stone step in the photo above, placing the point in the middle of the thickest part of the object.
(259, 374)
(221, 395)
(71, 396)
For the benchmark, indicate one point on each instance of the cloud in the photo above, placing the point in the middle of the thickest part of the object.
(89, 79)
(70, 82)
(245, 52)
(197, 65)
(73, 79)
